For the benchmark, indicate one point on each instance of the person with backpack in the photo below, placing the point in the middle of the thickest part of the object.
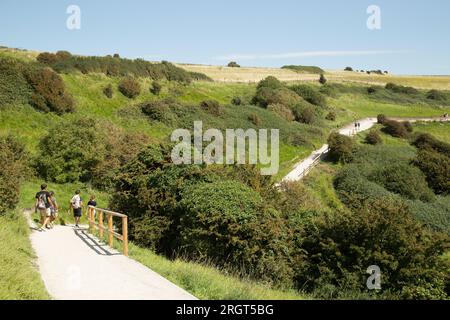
(43, 204)
(76, 202)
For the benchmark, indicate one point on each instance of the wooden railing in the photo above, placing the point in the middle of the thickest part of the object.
(97, 213)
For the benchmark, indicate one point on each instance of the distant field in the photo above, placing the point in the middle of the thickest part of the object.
(244, 74)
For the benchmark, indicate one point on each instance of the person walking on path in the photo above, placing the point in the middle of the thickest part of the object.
(76, 202)
(92, 202)
(53, 209)
(43, 204)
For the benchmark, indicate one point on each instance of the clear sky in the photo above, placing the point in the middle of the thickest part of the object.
(414, 37)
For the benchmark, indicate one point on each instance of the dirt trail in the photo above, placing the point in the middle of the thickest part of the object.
(75, 265)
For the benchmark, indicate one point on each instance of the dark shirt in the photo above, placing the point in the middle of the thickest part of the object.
(46, 196)
(92, 203)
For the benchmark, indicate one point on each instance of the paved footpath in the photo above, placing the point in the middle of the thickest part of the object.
(303, 167)
(75, 265)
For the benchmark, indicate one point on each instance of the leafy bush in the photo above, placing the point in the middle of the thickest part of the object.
(254, 118)
(408, 126)
(47, 58)
(436, 95)
(212, 106)
(401, 89)
(13, 84)
(381, 118)
(49, 91)
(282, 111)
(13, 168)
(339, 249)
(159, 110)
(236, 101)
(371, 89)
(395, 129)
(436, 167)
(348, 69)
(304, 69)
(233, 64)
(108, 91)
(310, 94)
(340, 147)
(304, 113)
(427, 141)
(373, 137)
(322, 79)
(331, 116)
(156, 88)
(129, 87)
(272, 91)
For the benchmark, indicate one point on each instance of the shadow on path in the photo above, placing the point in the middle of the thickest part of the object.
(94, 244)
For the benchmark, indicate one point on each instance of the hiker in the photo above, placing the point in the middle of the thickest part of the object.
(359, 126)
(76, 202)
(92, 202)
(53, 209)
(43, 204)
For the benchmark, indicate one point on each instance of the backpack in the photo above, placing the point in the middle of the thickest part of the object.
(42, 201)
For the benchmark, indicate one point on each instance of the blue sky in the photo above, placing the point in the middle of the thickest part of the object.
(414, 35)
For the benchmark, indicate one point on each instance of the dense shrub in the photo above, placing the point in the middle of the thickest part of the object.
(322, 79)
(108, 91)
(254, 118)
(236, 101)
(436, 167)
(304, 69)
(427, 141)
(381, 118)
(401, 89)
(116, 66)
(197, 76)
(408, 126)
(271, 91)
(310, 94)
(348, 69)
(329, 90)
(130, 87)
(212, 106)
(373, 137)
(49, 91)
(233, 64)
(371, 89)
(395, 129)
(282, 111)
(340, 247)
(331, 116)
(13, 84)
(304, 113)
(340, 147)
(13, 168)
(155, 88)
(159, 110)
(436, 95)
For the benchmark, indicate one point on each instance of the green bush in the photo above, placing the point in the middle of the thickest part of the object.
(49, 91)
(130, 87)
(331, 116)
(14, 88)
(304, 69)
(233, 64)
(340, 247)
(348, 69)
(427, 141)
(108, 91)
(436, 167)
(381, 118)
(13, 168)
(212, 106)
(372, 89)
(236, 101)
(436, 95)
(282, 111)
(159, 110)
(156, 88)
(373, 138)
(340, 147)
(395, 129)
(401, 89)
(254, 118)
(47, 58)
(322, 79)
(304, 113)
(310, 94)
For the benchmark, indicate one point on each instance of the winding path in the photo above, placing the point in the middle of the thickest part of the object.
(74, 265)
(302, 168)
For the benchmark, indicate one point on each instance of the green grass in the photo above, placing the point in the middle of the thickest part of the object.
(19, 279)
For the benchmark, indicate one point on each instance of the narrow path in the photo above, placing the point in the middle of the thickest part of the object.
(302, 168)
(75, 265)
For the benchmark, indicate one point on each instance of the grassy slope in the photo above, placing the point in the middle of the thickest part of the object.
(19, 278)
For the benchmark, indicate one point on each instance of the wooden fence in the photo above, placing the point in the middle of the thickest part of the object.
(99, 214)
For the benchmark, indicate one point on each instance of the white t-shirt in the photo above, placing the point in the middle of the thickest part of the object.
(76, 201)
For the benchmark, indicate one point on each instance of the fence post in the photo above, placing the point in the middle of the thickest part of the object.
(90, 215)
(100, 223)
(110, 229)
(125, 235)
